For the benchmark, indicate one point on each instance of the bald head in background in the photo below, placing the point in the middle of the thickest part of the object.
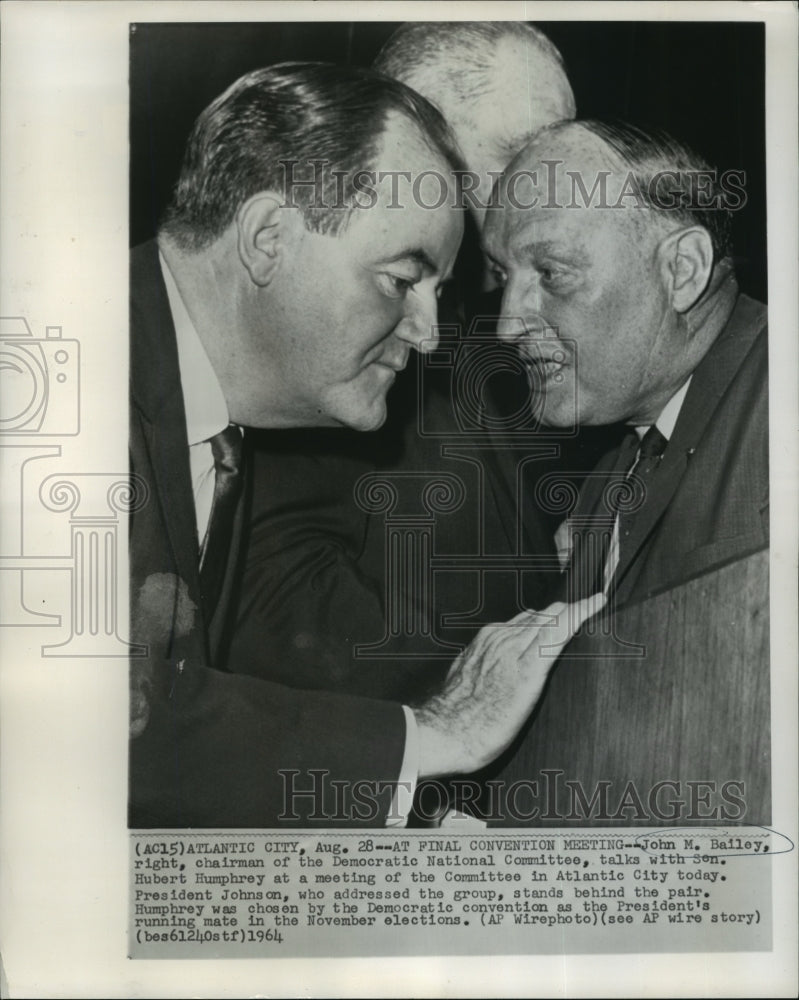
(496, 83)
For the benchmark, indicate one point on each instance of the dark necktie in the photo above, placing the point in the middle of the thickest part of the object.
(653, 444)
(622, 497)
(227, 450)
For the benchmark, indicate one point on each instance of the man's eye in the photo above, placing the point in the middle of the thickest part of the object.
(551, 275)
(396, 285)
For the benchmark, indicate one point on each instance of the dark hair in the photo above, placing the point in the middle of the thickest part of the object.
(461, 53)
(327, 120)
(648, 153)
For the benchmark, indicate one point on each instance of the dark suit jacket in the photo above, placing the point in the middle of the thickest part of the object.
(208, 745)
(707, 501)
(681, 712)
(315, 583)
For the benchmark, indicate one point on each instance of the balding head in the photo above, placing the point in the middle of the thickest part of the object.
(496, 83)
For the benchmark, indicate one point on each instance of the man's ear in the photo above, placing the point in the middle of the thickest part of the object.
(686, 261)
(259, 222)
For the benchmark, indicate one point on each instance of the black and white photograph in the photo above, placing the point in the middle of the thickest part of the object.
(401, 482)
(421, 430)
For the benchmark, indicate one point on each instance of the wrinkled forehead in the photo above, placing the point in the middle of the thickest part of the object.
(563, 178)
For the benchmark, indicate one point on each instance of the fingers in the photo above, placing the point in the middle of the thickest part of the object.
(589, 607)
(532, 617)
(567, 620)
(513, 642)
(522, 628)
(492, 686)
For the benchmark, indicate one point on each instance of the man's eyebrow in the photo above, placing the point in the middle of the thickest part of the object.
(533, 247)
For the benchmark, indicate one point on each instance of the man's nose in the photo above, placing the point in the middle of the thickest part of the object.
(519, 314)
(419, 327)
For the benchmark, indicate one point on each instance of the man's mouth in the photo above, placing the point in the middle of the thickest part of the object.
(545, 367)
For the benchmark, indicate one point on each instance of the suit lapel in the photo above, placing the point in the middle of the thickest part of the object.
(708, 386)
(158, 398)
(611, 468)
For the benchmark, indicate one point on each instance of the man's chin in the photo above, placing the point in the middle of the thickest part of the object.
(555, 418)
(370, 419)
(373, 425)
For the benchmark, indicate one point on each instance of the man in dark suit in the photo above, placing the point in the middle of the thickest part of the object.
(271, 300)
(613, 246)
(320, 588)
(618, 241)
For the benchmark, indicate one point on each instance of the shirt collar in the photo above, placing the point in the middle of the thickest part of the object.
(667, 420)
(203, 400)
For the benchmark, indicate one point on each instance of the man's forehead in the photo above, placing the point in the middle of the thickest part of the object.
(567, 176)
(569, 142)
(512, 232)
(403, 146)
(397, 228)
(517, 233)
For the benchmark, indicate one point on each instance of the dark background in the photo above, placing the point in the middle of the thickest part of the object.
(703, 82)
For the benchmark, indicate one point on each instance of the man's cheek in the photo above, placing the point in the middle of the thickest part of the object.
(371, 321)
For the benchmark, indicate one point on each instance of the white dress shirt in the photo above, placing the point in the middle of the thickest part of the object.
(207, 415)
(203, 400)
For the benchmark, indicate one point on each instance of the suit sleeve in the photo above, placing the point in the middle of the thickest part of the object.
(225, 750)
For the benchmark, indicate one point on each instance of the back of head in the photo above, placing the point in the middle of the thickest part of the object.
(461, 52)
(496, 83)
(305, 130)
(468, 61)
